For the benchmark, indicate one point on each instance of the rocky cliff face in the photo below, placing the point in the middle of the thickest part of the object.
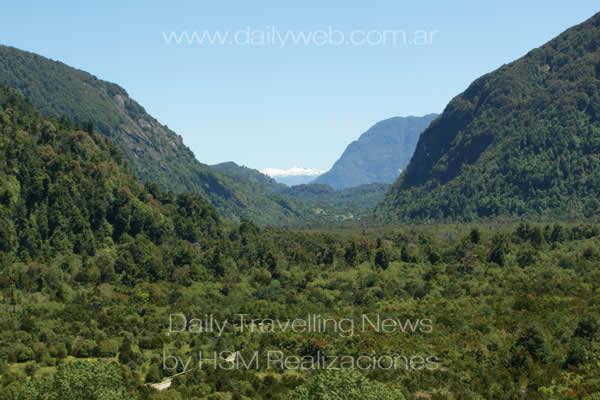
(378, 155)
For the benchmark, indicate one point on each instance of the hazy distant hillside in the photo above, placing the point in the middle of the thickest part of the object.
(294, 180)
(292, 176)
(352, 200)
(251, 175)
(379, 154)
(355, 199)
(522, 140)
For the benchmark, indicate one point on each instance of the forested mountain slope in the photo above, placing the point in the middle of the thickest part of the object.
(523, 140)
(155, 153)
(66, 190)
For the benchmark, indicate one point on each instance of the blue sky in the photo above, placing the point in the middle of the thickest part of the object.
(294, 105)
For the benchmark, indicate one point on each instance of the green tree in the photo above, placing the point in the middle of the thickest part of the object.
(382, 260)
(499, 249)
(344, 384)
(475, 236)
(351, 254)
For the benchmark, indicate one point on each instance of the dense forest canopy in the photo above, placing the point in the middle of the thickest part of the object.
(93, 264)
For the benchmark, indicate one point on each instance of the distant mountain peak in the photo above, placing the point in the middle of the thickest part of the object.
(292, 176)
(293, 171)
(379, 153)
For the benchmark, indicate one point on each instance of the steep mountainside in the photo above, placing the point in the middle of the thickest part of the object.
(154, 152)
(65, 190)
(379, 154)
(522, 140)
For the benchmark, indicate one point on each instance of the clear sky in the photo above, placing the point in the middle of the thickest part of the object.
(265, 105)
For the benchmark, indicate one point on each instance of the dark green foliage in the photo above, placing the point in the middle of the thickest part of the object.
(351, 254)
(499, 249)
(526, 257)
(378, 155)
(587, 328)
(382, 260)
(522, 140)
(79, 380)
(529, 348)
(66, 193)
(475, 236)
(344, 385)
